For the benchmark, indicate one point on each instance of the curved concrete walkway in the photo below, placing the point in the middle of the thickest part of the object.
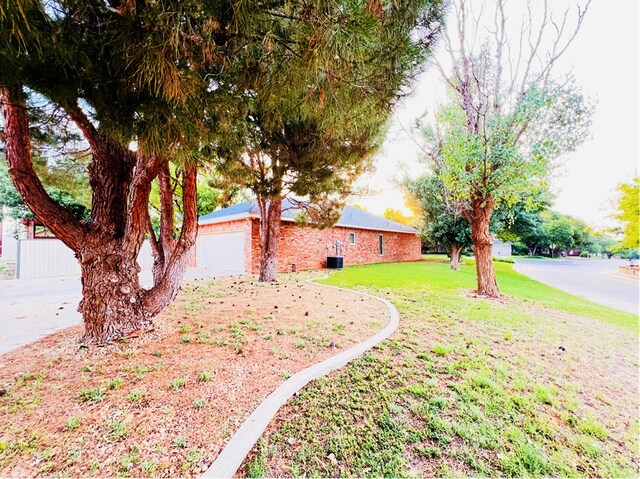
(234, 453)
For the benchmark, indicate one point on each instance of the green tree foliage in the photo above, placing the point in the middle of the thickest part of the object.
(212, 193)
(14, 205)
(441, 222)
(319, 102)
(154, 84)
(563, 232)
(511, 157)
(399, 217)
(59, 158)
(146, 84)
(628, 213)
(507, 118)
(523, 222)
(601, 243)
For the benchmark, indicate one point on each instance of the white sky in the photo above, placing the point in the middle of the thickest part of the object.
(604, 59)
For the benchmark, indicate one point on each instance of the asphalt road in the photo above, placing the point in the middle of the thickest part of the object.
(33, 308)
(594, 279)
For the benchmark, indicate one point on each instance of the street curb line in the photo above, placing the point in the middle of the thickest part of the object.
(236, 450)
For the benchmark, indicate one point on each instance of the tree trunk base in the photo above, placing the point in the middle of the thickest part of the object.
(486, 276)
(112, 303)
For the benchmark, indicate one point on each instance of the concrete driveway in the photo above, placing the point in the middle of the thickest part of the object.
(594, 279)
(33, 308)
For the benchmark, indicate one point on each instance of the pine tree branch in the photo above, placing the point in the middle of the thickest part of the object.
(59, 220)
(146, 170)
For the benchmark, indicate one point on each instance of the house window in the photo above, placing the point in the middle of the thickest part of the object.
(352, 238)
(381, 244)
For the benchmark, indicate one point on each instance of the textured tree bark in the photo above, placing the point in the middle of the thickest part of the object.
(482, 247)
(270, 215)
(164, 245)
(113, 305)
(454, 253)
(167, 284)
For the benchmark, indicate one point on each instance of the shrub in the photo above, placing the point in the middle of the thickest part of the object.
(503, 260)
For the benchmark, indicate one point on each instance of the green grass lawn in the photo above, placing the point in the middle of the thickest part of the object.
(441, 281)
(539, 383)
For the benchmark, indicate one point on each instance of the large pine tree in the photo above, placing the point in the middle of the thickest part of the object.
(151, 84)
(319, 98)
(137, 79)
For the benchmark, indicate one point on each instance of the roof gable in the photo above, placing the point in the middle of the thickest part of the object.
(245, 207)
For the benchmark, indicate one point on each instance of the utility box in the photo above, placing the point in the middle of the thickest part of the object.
(335, 262)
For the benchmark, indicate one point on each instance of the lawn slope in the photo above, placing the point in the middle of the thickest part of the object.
(538, 383)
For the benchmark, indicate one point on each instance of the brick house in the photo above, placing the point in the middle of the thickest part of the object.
(228, 239)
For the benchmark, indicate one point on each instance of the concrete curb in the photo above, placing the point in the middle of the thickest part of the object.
(234, 453)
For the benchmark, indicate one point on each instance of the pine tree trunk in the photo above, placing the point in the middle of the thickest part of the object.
(175, 252)
(113, 304)
(454, 253)
(482, 248)
(270, 217)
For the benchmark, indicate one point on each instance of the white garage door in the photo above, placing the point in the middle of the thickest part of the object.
(222, 252)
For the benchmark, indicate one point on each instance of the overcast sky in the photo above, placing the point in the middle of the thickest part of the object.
(604, 60)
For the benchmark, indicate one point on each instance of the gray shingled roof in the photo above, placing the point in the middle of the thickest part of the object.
(351, 217)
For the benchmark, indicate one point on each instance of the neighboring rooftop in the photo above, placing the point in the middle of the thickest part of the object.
(352, 217)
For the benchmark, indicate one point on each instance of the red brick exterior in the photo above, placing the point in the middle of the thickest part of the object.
(306, 248)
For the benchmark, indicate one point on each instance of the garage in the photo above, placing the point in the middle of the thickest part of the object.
(223, 252)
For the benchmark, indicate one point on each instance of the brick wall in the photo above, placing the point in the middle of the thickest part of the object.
(306, 248)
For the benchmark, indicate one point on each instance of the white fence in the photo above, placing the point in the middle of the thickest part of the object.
(42, 258)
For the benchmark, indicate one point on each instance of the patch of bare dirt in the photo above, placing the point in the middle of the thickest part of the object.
(166, 403)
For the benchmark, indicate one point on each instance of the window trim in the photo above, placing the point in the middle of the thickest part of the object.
(381, 244)
(352, 233)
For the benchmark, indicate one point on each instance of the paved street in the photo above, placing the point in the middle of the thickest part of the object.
(594, 279)
(33, 308)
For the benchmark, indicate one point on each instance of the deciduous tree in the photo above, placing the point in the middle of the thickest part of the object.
(441, 221)
(628, 213)
(399, 217)
(507, 117)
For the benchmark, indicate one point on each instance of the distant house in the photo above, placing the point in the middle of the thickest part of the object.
(228, 239)
(501, 249)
